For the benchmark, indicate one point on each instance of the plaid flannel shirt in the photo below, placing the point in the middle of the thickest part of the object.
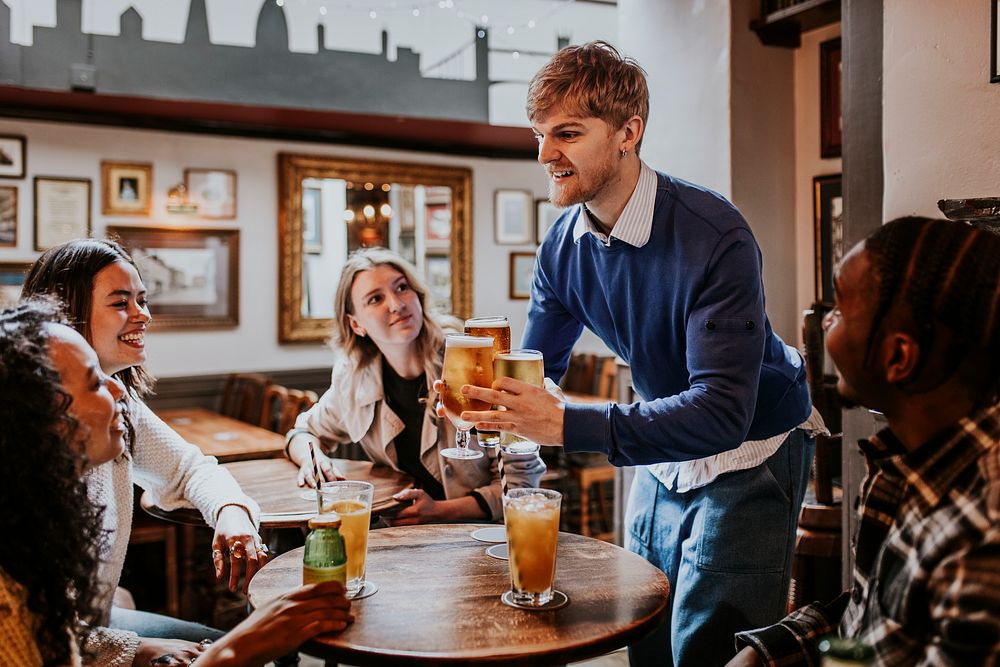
(926, 582)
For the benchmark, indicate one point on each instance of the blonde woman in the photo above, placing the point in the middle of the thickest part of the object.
(388, 351)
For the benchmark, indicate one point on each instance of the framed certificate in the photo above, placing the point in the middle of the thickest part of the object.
(62, 210)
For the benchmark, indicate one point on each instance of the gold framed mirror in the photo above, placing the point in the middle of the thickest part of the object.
(329, 206)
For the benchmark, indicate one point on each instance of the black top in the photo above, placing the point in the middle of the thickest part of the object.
(404, 397)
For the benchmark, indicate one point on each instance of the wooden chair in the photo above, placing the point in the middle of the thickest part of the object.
(243, 395)
(148, 530)
(297, 402)
(272, 408)
(816, 562)
(579, 377)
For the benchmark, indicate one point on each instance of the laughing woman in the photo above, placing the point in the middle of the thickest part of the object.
(106, 302)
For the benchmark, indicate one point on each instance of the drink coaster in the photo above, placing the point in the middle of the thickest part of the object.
(369, 589)
(558, 601)
(493, 534)
(498, 551)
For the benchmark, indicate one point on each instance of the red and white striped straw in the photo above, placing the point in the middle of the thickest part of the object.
(319, 495)
(503, 476)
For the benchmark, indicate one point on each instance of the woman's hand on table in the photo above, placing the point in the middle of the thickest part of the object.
(165, 652)
(327, 471)
(282, 625)
(422, 508)
(236, 542)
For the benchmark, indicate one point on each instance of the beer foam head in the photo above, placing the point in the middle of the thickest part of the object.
(486, 322)
(520, 355)
(460, 340)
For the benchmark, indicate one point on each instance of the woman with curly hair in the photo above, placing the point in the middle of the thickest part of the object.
(388, 349)
(63, 416)
(105, 300)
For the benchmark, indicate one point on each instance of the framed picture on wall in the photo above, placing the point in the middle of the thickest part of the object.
(546, 214)
(312, 227)
(830, 119)
(12, 155)
(12, 276)
(62, 210)
(213, 191)
(126, 188)
(522, 266)
(192, 275)
(995, 41)
(828, 206)
(437, 267)
(8, 216)
(512, 217)
(438, 221)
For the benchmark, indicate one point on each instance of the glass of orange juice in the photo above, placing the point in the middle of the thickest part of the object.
(352, 500)
(532, 520)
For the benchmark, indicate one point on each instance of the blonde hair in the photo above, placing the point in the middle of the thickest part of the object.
(592, 80)
(361, 349)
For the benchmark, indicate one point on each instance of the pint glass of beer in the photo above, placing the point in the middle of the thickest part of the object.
(532, 520)
(499, 328)
(467, 360)
(526, 366)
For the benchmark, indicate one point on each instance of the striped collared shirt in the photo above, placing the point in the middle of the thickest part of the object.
(926, 581)
(634, 226)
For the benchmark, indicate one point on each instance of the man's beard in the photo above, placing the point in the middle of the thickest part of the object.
(563, 197)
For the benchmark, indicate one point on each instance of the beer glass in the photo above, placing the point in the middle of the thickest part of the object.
(352, 500)
(526, 366)
(467, 360)
(499, 328)
(532, 520)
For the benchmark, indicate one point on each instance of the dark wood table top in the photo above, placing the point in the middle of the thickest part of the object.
(225, 438)
(439, 602)
(271, 482)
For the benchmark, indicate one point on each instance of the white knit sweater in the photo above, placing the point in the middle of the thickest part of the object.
(174, 474)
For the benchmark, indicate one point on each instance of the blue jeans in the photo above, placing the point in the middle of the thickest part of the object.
(146, 624)
(726, 549)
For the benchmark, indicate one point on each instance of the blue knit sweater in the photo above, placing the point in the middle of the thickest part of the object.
(686, 312)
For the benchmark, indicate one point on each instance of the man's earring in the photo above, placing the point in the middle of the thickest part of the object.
(624, 153)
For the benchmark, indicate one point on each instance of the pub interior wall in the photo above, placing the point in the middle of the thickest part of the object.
(66, 149)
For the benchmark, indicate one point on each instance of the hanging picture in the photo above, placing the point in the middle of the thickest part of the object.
(437, 268)
(126, 188)
(12, 155)
(512, 217)
(522, 267)
(213, 191)
(12, 276)
(8, 216)
(312, 221)
(62, 210)
(830, 119)
(438, 219)
(546, 214)
(828, 203)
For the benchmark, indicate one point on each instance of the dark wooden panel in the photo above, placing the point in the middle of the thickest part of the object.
(205, 391)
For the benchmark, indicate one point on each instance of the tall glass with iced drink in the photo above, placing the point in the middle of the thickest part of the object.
(499, 329)
(532, 520)
(467, 360)
(352, 500)
(526, 366)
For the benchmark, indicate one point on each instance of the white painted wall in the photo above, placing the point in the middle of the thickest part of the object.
(941, 115)
(77, 150)
(808, 162)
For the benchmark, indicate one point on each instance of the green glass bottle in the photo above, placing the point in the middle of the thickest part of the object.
(845, 652)
(325, 557)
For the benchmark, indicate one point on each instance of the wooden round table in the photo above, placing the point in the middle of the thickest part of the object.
(439, 602)
(271, 482)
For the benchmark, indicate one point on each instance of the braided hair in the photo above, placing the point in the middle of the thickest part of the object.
(53, 530)
(939, 281)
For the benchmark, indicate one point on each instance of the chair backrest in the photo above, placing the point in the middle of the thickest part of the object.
(579, 376)
(243, 395)
(607, 379)
(272, 408)
(297, 402)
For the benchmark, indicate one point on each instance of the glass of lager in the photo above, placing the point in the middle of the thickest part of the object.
(526, 366)
(532, 519)
(352, 500)
(467, 360)
(499, 328)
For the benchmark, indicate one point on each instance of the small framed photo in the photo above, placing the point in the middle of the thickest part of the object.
(312, 220)
(213, 191)
(8, 216)
(828, 203)
(437, 268)
(512, 216)
(12, 155)
(546, 214)
(830, 120)
(12, 275)
(126, 188)
(62, 210)
(522, 267)
(192, 275)
(438, 220)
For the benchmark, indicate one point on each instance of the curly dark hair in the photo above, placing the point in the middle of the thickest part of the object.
(54, 530)
(67, 271)
(940, 281)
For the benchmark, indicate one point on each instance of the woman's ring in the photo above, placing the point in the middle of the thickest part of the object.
(237, 550)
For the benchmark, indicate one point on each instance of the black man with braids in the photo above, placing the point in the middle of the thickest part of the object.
(916, 335)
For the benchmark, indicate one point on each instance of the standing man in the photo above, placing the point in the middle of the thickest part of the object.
(668, 274)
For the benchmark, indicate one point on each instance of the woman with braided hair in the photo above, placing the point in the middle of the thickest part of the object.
(916, 335)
